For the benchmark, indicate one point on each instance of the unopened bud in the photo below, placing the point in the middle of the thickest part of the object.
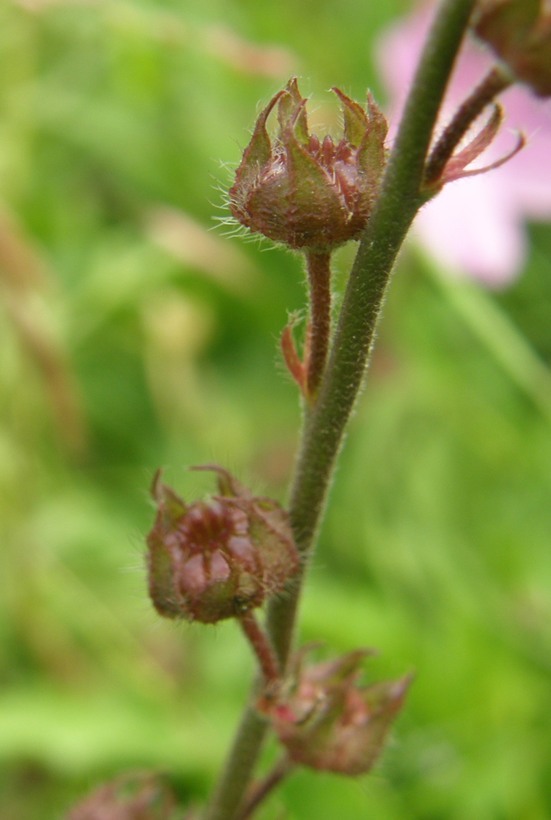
(327, 721)
(130, 797)
(217, 559)
(519, 31)
(307, 192)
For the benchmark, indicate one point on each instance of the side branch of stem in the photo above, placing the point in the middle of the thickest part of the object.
(260, 791)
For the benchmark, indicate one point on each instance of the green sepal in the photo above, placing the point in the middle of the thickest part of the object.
(371, 156)
(310, 190)
(292, 112)
(355, 119)
(259, 150)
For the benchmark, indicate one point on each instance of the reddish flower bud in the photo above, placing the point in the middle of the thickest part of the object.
(305, 192)
(519, 31)
(327, 722)
(219, 558)
(130, 797)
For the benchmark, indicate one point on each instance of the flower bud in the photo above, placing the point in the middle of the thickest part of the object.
(218, 558)
(129, 797)
(519, 31)
(327, 721)
(307, 192)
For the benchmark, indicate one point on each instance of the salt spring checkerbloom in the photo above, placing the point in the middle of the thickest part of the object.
(476, 226)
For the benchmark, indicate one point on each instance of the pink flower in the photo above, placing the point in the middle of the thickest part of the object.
(475, 226)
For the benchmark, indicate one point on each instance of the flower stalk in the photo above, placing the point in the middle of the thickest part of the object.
(319, 280)
(262, 648)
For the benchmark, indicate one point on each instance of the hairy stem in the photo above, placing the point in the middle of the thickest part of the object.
(319, 281)
(397, 205)
(325, 423)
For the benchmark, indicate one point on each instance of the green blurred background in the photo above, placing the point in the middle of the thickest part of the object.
(132, 335)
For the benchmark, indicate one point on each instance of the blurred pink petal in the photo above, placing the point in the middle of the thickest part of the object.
(476, 226)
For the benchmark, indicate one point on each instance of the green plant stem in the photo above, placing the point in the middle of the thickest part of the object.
(325, 424)
(397, 205)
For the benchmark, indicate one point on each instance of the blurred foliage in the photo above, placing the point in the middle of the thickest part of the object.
(133, 336)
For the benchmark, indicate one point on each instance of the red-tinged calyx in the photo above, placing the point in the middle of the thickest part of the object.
(219, 558)
(519, 32)
(305, 192)
(141, 796)
(326, 720)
